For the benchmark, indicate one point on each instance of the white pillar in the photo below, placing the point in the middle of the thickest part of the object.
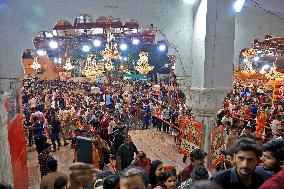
(212, 65)
(5, 157)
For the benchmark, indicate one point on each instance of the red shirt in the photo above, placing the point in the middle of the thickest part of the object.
(275, 182)
(186, 172)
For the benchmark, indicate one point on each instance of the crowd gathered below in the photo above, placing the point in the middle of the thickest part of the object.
(57, 112)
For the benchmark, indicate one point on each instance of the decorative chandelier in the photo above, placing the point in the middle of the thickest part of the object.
(91, 69)
(35, 64)
(108, 65)
(273, 73)
(110, 52)
(250, 53)
(248, 70)
(143, 66)
(68, 66)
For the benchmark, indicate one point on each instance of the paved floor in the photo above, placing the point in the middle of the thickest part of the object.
(156, 144)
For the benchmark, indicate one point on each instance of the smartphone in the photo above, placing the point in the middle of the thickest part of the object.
(84, 150)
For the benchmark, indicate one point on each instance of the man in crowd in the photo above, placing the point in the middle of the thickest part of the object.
(43, 158)
(125, 154)
(48, 180)
(55, 128)
(197, 157)
(242, 175)
(273, 155)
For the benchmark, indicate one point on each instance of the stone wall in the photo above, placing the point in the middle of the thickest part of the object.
(5, 158)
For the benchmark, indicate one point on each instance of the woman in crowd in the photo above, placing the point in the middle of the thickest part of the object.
(156, 173)
(170, 180)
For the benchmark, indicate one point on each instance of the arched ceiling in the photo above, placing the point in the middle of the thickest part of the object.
(276, 6)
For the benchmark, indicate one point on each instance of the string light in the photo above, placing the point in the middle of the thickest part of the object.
(257, 5)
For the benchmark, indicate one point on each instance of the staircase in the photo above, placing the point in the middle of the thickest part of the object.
(158, 145)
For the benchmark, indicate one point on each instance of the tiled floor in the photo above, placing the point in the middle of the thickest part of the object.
(156, 144)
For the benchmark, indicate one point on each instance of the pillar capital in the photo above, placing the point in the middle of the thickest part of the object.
(206, 102)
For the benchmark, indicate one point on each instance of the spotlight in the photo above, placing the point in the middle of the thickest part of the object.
(41, 52)
(97, 43)
(264, 69)
(135, 41)
(162, 47)
(53, 44)
(266, 66)
(256, 58)
(86, 48)
(189, 1)
(123, 47)
(239, 5)
(124, 58)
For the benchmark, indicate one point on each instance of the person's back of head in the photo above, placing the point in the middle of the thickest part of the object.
(111, 182)
(199, 173)
(198, 155)
(134, 177)
(60, 183)
(52, 165)
(103, 174)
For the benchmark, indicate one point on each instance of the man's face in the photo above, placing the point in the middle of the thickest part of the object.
(134, 182)
(127, 140)
(269, 162)
(245, 162)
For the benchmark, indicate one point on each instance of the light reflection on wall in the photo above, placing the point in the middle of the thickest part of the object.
(199, 42)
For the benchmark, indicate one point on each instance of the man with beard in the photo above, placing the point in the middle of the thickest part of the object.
(243, 174)
(272, 156)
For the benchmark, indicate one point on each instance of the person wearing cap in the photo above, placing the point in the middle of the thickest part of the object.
(197, 157)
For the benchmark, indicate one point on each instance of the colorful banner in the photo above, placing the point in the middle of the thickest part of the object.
(218, 141)
(191, 136)
(278, 89)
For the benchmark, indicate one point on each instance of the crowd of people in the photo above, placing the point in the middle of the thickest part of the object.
(59, 111)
